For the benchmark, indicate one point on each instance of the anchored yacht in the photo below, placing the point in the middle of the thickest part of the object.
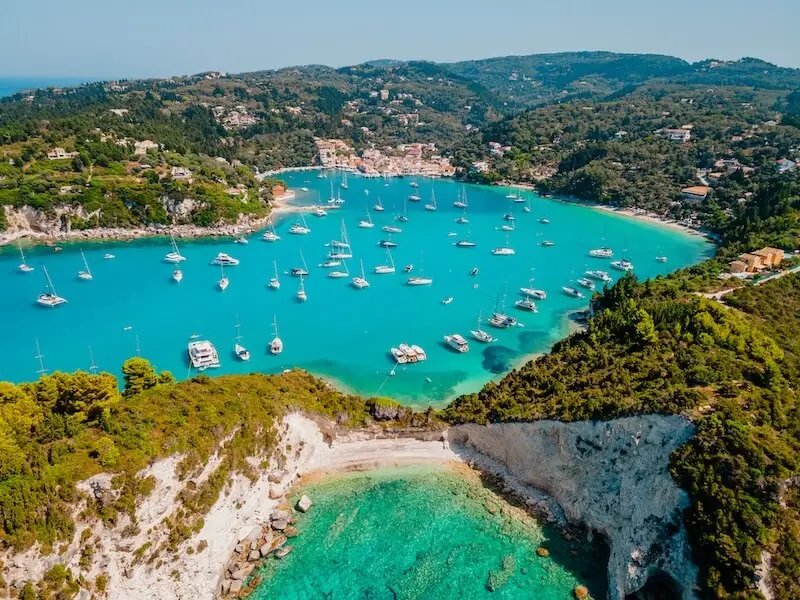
(203, 355)
(456, 342)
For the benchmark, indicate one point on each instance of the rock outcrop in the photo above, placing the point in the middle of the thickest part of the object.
(610, 476)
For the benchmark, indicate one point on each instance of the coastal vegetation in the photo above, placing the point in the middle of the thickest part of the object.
(65, 428)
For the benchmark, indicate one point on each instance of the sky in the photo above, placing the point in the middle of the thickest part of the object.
(160, 38)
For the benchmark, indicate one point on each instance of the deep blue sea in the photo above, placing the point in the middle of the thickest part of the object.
(340, 332)
(12, 85)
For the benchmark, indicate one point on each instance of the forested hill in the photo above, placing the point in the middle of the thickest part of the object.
(536, 79)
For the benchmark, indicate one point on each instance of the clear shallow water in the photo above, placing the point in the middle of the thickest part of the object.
(424, 532)
(340, 332)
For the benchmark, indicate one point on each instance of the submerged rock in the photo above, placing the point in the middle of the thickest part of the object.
(581, 592)
(283, 551)
(304, 504)
(542, 551)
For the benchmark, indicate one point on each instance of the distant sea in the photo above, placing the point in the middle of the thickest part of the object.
(12, 85)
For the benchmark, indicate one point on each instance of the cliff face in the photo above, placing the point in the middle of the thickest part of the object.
(612, 477)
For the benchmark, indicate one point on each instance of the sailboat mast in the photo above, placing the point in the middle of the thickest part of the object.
(138, 347)
(92, 366)
(40, 357)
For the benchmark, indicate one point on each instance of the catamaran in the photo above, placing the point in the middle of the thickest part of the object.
(177, 275)
(275, 283)
(526, 304)
(431, 206)
(174, 256)
(318, 211)
(366, 223)
(23, 266)
(622, 265)
(300, 271)
(270, 235)
(203, 355)
(49, 298)
(339, 274)
(603, 252)
(386, 269)
(225, 259)
(480, 335)
(223, 281)
(599, 275)
(241, 352)
(301, 291)
(300, 227)
(456, 342)
(378, 206)
(86, 273)
(276, 345)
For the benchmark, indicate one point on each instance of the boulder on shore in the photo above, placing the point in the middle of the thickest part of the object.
(275, 491)
(304, 504)
(236, 587)
(276, 477)
(283, 551)
(254, 555)
(238, 574)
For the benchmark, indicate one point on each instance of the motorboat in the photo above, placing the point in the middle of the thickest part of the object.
(465, 244)
(599, 275)
(603, 252)
(544, 221)
(503, 251)
(448, 300)
(507, 227)
(586, 282)
(456, 342)
(387, 244)
(571, 291)
(548, 243)
(473, 272)
(49, 298)
(462, 220)
(661, 259)
(241, 240)
(109, 256)
(622, 265)
(177, 275)
(533, 293)
(203, 355)
(225, 259)
(509, 217)
(408, 268)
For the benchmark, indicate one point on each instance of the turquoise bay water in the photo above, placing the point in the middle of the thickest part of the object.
(12, 85)
(340, 332)
(424, 532)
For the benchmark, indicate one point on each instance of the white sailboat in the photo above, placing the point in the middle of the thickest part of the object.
(241, 352)
(344, 185)
(174, 257)
(421, 279)
(177, 275)
(301, 291)
(300, 271)
(366, 223)
(275, 283)
(276, 345)
(23, 266)
(223, 281)
(332, 197)
(480, 335)
(467, 243)
(432, 205)
(506, 250)
(49, 298)
(404, 217)
(461, 201)
(270, 235)
(360, 282)
(386, 269)
(86, 273)
(336, 274)
(300, 227)
(378, 206)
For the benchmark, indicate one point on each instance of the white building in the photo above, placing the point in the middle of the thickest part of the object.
(143, 147)
(60, 154)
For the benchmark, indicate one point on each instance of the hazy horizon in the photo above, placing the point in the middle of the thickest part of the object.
(154, 39)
